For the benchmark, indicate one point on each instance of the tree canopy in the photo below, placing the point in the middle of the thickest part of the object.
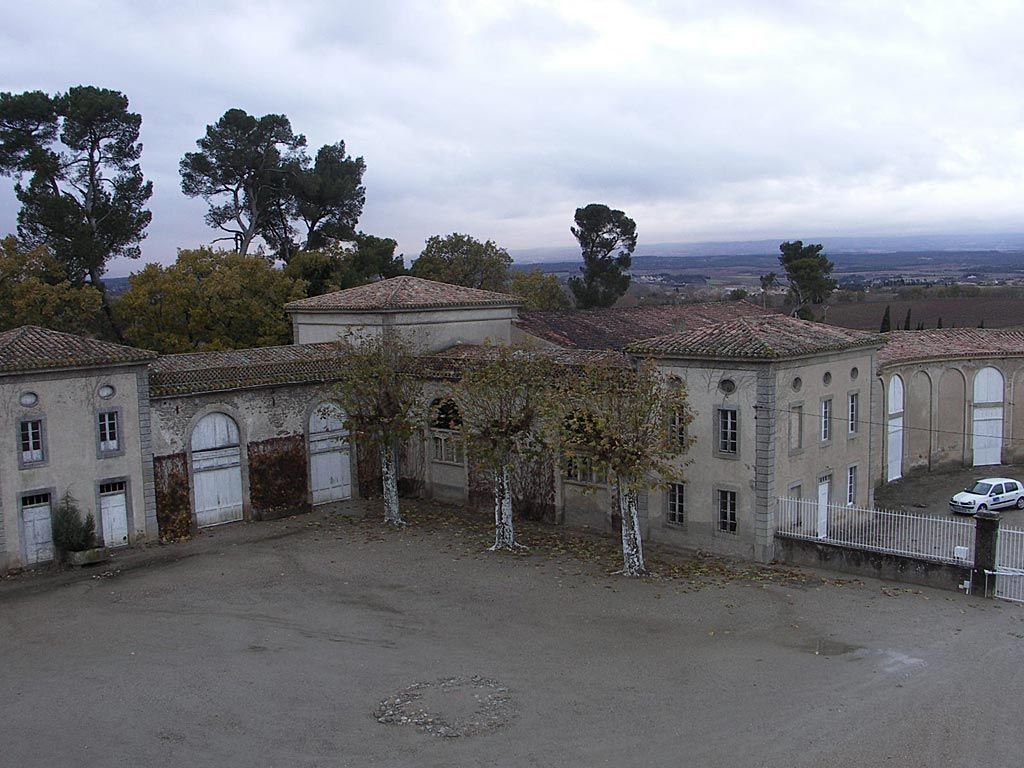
(35, 290)
(85, 195)
(463, 260)
(809, 273)
(338, 266)
(607, 239)
(208, 300)
(241, 170)
(538, 290)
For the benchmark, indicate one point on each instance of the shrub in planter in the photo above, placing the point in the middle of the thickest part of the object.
(72, 533)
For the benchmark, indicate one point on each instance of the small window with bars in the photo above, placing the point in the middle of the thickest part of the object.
(676, 504)
(727, 511)
(109, 437)
(117, 486)
(32, 442)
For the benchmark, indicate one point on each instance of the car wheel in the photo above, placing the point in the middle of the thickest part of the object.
(1020, 502)
(982, 508)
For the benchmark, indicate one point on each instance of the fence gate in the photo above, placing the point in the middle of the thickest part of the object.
(1009, 575)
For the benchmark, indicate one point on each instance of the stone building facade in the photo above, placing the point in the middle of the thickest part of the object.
(782, 408)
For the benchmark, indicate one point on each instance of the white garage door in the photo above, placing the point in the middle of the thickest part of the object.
(988, 436)
(987, 425)
(114, 514)
(329, 465)
(217, 470)
(36, 528)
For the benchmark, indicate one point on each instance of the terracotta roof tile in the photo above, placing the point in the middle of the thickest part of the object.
(766, 337)
(403, 292)
(31, 348)
(950, 343)
(195, 372)
(615, 328)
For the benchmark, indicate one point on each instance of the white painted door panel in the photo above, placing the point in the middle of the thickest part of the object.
(894, 450)
(114, 512)
(988, 435)
(38, 533)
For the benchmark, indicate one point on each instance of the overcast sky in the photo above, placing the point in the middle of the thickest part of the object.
(717, 120)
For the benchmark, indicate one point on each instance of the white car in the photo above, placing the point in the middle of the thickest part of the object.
(989, 493)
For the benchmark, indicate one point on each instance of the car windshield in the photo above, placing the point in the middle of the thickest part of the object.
(980, 489)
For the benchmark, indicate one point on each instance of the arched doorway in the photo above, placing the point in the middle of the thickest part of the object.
(894, 429)
(987, 425)
(330, 468)
(217, 470)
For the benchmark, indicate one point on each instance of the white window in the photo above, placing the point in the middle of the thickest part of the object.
(108, 431)
(580, 469)
(676, 503)
(31, 442)
(728, 431)
(677, 429)
(727, 511)
(826, 420)
(796, 427)
(447, 446)
(851, 485)
(853, 413)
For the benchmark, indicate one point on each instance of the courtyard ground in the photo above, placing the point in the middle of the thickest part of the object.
(928, 492)
(287, 643)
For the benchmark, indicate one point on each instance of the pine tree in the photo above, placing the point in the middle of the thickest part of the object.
(886, 325)
(906, 322)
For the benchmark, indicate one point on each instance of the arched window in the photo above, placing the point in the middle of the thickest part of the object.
(988, 386)
(896, 399)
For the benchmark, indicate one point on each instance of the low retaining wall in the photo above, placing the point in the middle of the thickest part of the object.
(877, 565)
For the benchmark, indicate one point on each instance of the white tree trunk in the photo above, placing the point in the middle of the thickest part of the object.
(632, 546)
(504, 533)
(392, 516)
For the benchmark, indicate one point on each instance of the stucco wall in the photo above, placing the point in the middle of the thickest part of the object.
(68, 405)
(431, 329)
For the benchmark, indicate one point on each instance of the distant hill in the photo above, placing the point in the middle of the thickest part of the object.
(1011, 242)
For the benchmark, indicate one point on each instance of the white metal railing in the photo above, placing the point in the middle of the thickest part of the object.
(1009, 573)
(929, 538)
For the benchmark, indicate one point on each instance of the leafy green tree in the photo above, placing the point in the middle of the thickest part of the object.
(886, 324)
(768, 282)
(629, 422)
(607, 239)
(85, 195)
(208, 300)
(382, 399)
(35, 290)
(464, 260)
(329, 196)
(502, 398)
(242, 171)
(809, 274)
(538, 290)
(336, 266)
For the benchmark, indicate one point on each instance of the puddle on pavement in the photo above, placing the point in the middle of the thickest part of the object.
(820, 646)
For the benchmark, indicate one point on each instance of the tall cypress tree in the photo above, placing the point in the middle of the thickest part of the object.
(886, 325)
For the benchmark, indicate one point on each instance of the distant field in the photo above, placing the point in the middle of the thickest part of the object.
(961, 312)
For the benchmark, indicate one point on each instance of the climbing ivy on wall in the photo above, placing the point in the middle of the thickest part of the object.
(278, 477)
(173, 511)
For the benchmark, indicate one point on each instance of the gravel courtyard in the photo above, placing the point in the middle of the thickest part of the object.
(287, 643)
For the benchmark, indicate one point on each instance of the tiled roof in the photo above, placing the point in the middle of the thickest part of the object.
(950, 343)
(447, 363)
(31, 348)
(766, 337)
(403, 292)
(196, 372)
(615, 328)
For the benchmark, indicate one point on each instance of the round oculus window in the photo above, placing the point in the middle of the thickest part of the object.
(28, 399)
(797, 384)
(854, 373)
(106, 391)
(827, 378)
(728, 386)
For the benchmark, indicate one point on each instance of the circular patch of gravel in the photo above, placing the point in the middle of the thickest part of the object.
(490, 704)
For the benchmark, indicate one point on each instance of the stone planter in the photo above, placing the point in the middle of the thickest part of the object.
(88, 556)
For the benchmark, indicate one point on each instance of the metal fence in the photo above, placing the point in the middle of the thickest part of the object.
(1009, 573)
(940, 539)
